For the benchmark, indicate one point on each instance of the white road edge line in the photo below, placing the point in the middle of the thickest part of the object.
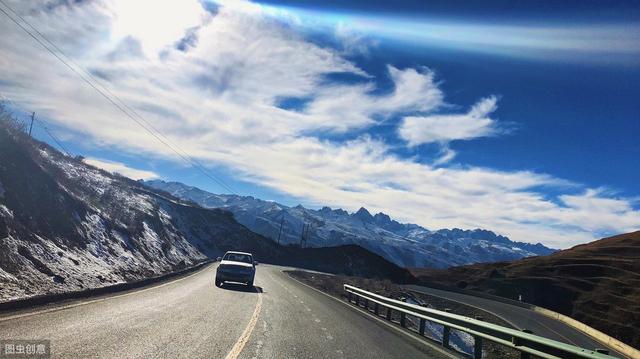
(64, 307)
(469, 305)
(381, 321)
(244, 338)
(499, 316)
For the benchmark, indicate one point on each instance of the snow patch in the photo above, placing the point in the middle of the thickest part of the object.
(89, 177)
(459, 340)
(5, 212)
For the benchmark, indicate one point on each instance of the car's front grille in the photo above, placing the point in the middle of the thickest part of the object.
(236, 270)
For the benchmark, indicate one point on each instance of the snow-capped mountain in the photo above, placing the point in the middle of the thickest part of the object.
(407, 245)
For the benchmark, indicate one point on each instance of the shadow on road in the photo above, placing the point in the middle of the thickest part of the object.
(241, 288)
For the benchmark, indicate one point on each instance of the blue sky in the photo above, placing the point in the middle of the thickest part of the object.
(523, 120)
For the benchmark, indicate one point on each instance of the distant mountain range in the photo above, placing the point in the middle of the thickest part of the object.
(407, 245)
(68, 226)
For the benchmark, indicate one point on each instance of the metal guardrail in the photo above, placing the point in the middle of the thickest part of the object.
(525, 342)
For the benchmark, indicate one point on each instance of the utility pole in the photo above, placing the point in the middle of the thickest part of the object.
(306, 236)
(280, 233)
(302, 234)
(33, 114)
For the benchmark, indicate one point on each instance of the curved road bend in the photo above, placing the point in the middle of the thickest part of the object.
(191, 318)
(521, 318)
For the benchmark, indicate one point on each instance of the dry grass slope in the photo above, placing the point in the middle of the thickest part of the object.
(596, 283)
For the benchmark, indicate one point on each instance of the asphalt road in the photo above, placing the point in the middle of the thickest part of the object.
(192, 318)
(521, 318)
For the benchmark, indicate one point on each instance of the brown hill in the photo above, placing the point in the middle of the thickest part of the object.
(596, 283)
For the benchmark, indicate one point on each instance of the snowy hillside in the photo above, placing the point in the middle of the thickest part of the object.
(407, 245)
(65, 225)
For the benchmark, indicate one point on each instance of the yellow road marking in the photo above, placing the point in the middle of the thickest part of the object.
(244, 338)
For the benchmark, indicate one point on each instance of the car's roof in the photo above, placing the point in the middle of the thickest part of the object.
(234, 252)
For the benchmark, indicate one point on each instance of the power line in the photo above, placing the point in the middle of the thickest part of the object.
(56, 140)
(106, 89)
(44, 124)
(107, 94)
(187, 158)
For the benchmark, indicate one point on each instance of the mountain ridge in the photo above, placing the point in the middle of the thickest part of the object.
(405, 244)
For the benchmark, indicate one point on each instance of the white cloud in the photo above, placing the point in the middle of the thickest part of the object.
(164, 22)
(353, 42)
(121, 168)
(417, 130)
(446, 155)
(217, 100)
(343, 107)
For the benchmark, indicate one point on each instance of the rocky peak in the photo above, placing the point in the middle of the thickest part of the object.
(382, 218)
(340, 212)
(363, 215)
(325, 210)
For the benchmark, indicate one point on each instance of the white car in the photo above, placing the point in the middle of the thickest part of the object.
(236, 267)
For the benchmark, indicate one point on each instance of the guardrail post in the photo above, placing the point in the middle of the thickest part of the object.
(446, 335)
(403, 320)
(349, 297)
(357, 300)
(388, 314)
(376, 309)
(516, 342)
(477, 347)
(366, 304)
(446, 332)
(423, 323)
(477, 343)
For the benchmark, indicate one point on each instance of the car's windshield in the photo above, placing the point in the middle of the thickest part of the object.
(238, 257)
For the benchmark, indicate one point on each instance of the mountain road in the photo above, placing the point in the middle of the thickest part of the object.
(190, 317)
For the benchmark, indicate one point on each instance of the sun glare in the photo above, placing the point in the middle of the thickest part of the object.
(155, 24)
